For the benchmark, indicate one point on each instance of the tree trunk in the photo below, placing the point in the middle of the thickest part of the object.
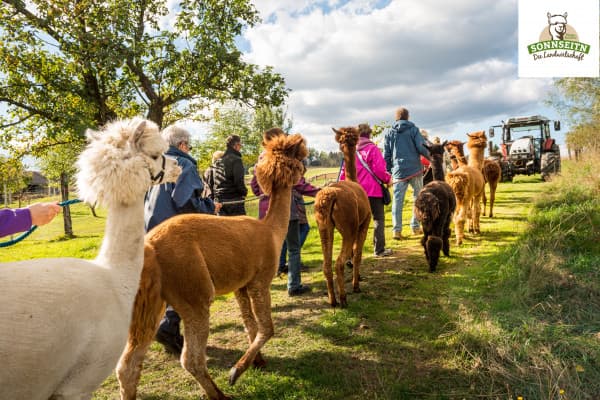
(64, 191)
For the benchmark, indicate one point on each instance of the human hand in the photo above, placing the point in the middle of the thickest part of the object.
(43, 213)
(218, 207)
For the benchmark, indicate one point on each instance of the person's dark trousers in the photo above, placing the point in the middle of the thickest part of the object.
(304, 229)
(378, 212)
(292, 241)
(233, 209)
(168, 331)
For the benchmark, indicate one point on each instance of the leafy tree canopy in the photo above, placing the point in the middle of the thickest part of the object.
(66, 65)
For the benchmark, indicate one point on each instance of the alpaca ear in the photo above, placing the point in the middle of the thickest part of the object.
(565, 15)
(549, 16)
(445, 143)
(138, 134)
(336, 131)
(428, 147)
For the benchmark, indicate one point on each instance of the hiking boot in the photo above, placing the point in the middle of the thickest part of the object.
(417, 231)
(173, 344)
(299, 291)
(384, 253)
(398, 235)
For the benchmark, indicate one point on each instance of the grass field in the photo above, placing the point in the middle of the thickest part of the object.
(513, 312)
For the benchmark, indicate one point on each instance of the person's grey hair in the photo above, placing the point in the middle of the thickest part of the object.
(174, 135)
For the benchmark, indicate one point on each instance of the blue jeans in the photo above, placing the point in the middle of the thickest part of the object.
(398, 202)
(292, 240)
(304, 229)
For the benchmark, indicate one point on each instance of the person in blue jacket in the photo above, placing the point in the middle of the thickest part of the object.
(402, 149)
(168, 199)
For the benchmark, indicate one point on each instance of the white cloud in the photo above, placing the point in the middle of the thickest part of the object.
(453, 64)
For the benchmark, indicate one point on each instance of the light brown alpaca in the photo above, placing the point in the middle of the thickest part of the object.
(468, 185)
(191, 258)
(344, 206)
(490, 169)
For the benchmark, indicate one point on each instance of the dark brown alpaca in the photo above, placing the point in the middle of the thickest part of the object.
(491, 170)
(344, 206)
(191, 258)
(434, 208)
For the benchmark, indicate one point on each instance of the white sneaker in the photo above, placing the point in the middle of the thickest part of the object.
(385, 253)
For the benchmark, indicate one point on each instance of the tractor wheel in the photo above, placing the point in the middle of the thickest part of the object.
(550, 165)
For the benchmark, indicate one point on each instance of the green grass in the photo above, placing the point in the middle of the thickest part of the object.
(513, 312)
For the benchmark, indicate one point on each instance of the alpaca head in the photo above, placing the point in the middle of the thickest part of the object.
(281, 165)
(122, 161)
(436, 150)
(347, 138)
(455, 147)
(557, 25)
(477, 140)
(427, 210)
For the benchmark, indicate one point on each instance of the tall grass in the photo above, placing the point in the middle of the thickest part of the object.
(547, 300)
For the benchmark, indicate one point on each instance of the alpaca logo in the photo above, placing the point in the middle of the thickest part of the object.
(558, 39)
(557, 26)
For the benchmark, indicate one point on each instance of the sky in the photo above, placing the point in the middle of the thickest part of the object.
(453, 64)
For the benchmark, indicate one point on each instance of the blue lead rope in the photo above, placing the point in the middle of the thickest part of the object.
(34, 227)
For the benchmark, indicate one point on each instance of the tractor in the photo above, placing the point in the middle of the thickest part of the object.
(527, 147)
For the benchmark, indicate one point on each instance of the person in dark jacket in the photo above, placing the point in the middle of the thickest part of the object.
(403, 146)
(168, 199)
(229, 179)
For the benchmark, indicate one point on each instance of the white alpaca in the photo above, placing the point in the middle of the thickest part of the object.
(65, 320)
(557, 25)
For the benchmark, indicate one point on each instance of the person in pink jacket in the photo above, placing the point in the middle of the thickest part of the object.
(372, 156)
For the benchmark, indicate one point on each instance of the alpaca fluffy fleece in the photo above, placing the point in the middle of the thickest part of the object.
(66, 319)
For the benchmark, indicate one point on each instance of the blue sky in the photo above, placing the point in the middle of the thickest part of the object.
(452, 64)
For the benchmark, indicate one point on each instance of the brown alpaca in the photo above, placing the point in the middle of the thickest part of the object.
(467, 183)
(491, 169)
(343, 205)
(434, 207)
(191, 258)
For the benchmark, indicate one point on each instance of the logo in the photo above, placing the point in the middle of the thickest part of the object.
(558, 42)
(558, 39)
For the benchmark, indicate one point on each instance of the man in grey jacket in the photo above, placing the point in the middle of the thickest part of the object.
(402, 148)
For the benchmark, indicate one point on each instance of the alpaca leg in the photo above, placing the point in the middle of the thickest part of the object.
(260, 298)
(476, 214)
(434, 244)
(357, 256)
(193, 356)
(484, 198)
(345, 254)
(446, 236)
(459, 225)
(327, 248)
(492, 197)
(243, 300)
(424, 244)
(148, 309)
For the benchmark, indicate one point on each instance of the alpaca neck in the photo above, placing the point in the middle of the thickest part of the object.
(460, 158)
(476, 158)
(278, 214)
(350, 162)
(123, 244)
(437, 168)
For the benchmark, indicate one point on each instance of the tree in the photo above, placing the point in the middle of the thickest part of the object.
(58, 164)
(12, 177)
(71, 64)
(245, 122)
(579, 98)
